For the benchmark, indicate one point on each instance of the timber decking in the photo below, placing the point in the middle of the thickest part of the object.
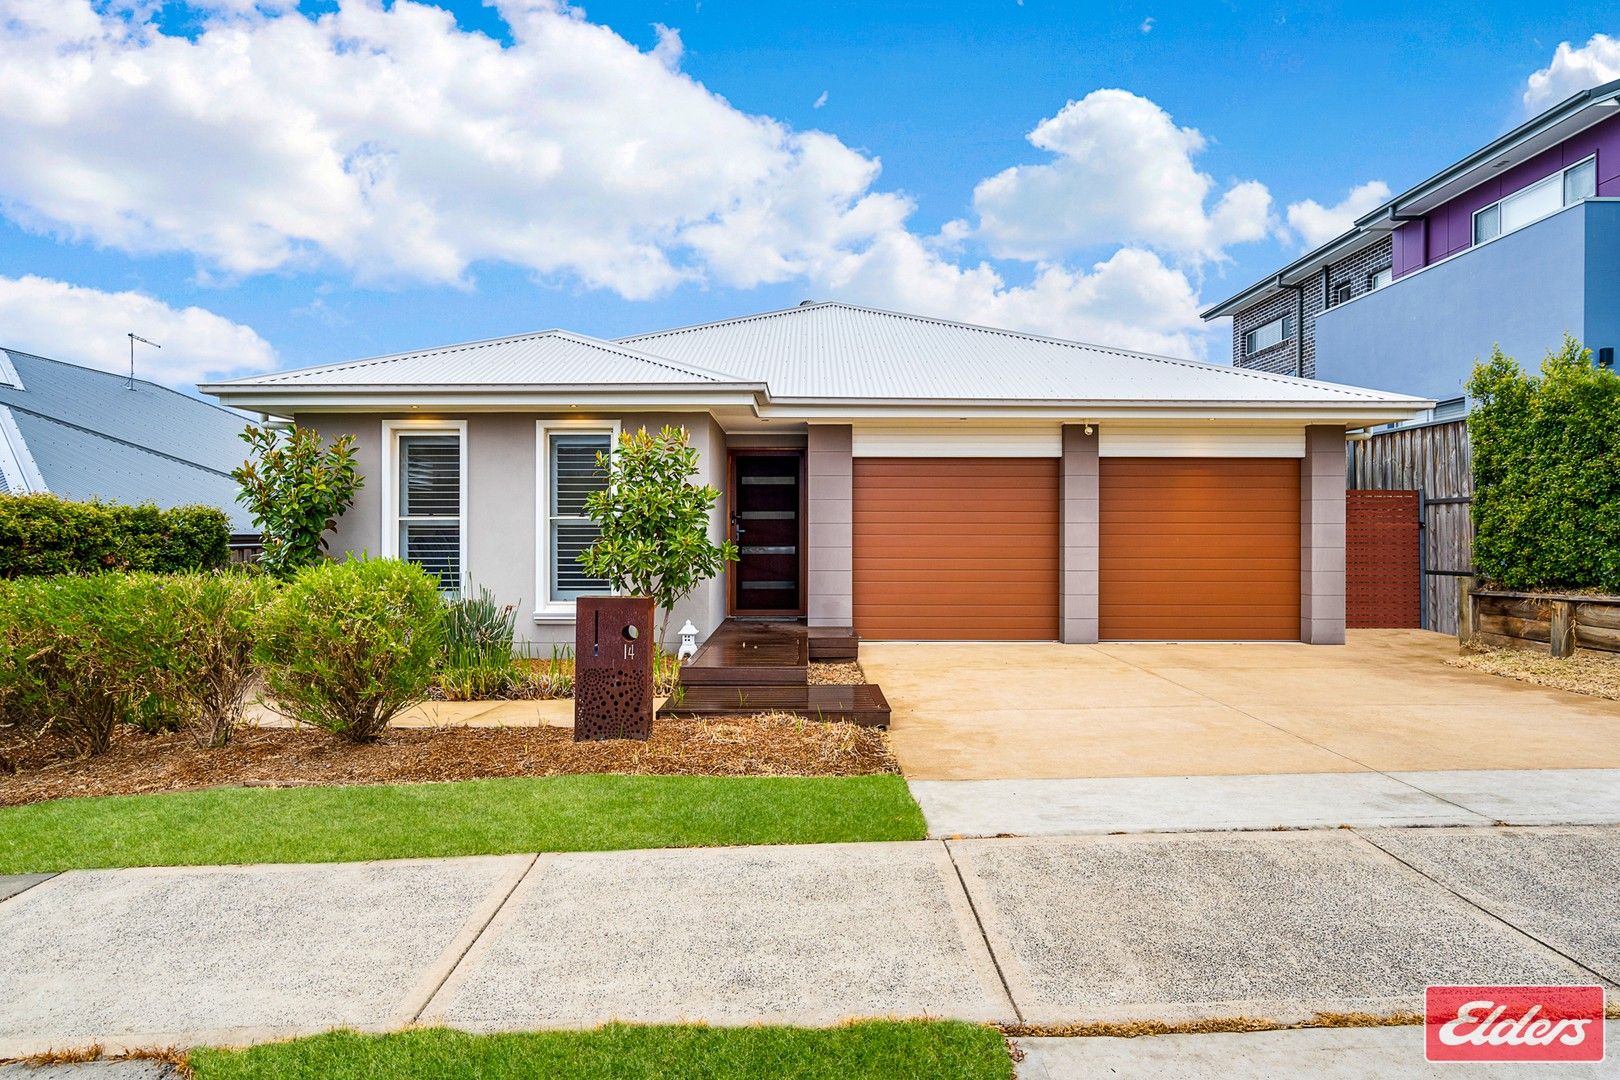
(751, 654)
(751, 667)
(862, 704)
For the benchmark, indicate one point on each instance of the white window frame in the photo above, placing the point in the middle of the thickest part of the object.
(1285, 323)
(391, 431)
(1560, 177)
(545, 608)
(1382, 278)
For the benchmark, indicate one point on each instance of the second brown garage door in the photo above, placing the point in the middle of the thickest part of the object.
(1199, 548)
(956, 548)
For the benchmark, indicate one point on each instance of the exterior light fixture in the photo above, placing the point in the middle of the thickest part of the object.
(688, 642)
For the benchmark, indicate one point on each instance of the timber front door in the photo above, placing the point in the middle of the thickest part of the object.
(767, 515)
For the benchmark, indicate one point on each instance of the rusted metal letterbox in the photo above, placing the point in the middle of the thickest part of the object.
(613, 668)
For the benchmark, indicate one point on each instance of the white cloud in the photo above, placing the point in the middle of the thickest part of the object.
(389, 143)
(1147, 25)
(1317, 224)
(1130, 300)
(1123, 173)
(1571, 71)
(820, 101)
(88, 326)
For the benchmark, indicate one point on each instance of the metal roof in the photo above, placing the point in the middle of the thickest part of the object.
(90, 436)
(1570, 116)
(548, 358)
(828, 351)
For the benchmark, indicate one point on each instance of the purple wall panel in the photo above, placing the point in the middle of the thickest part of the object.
(1451, 226)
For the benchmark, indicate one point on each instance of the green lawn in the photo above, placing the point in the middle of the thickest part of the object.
(936, 1050)
(475, 817)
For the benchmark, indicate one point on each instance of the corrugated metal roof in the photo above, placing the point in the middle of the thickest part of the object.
(549, 358)
(835, 350)
(92, 437)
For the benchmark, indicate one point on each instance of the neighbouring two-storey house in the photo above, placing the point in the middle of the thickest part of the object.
(1516, 244)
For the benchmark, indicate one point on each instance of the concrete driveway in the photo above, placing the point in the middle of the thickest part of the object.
(1386, 702)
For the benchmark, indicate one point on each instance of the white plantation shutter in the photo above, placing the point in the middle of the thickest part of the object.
(574, 476)
(430, 504)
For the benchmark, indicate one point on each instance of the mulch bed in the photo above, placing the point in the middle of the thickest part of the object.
(830, 674)
(764, 745)
(1597, 674)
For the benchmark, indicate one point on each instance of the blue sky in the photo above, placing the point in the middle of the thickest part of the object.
(253, 192)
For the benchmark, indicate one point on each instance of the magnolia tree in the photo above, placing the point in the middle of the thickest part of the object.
(654, 521)
(296, 487)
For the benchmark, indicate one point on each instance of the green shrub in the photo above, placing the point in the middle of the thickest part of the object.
(478, 660)
(1546, 453)
(346, 646)
(80, 655)
(296, 487)
(42, 535)
(216, 621)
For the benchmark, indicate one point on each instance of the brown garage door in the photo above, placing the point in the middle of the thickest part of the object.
(956, 548)
(1196, 548)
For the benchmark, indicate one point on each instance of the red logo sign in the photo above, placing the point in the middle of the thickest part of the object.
(1513, 1023)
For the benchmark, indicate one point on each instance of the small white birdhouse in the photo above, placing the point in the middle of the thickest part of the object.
(688, 647)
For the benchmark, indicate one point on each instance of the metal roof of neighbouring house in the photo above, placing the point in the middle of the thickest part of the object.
(836, 351)
(82, 433)
(1541, 132)
(547, 358)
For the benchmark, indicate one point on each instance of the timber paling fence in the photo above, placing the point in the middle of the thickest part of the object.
(1433, 460)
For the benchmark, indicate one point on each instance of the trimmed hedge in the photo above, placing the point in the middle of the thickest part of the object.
(41, 535)
(1547, 472)
(347, 646)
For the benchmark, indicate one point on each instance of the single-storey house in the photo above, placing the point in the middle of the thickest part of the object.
(912, 477)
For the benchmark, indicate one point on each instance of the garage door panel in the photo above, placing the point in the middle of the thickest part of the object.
(1201, 549)
(954, 548)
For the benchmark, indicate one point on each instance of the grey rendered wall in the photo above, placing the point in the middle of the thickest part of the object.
(830, 526)
(1321, 537)
(1080, 500)
(1523, 291)
(501, 493)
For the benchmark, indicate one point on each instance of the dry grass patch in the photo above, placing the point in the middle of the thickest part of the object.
(1131, 1029)
(1594, 674)
(772, 744)
(836, 674)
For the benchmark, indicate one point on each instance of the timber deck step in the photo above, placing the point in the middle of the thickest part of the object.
(751, 654)
(833, 643)
(862, 704)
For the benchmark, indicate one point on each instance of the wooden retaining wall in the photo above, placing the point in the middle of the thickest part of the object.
(1560, 623)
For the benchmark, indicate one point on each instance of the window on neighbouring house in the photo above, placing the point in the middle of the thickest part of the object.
(1341, 293)
(572, 474)
(1379, 278)
(429, 507)
(1274, 332)
(1546, 196)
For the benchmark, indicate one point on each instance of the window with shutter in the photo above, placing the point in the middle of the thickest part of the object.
(572, 475)
(429, 502)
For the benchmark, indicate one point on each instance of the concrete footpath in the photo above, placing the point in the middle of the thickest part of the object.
(1317, 800)
(1318, 1053)
(1041, 931)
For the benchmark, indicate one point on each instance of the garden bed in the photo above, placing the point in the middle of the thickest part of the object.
(763, 745)
(1596, 674)
(823, 673)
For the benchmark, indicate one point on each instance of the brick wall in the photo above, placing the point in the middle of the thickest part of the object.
(1285, 358)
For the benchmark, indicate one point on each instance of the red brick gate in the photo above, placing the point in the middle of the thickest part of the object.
(1382, 573)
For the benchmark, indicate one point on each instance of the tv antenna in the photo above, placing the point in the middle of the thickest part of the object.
(133, 338)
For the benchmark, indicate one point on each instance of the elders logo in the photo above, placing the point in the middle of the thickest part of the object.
(1513, 1023)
